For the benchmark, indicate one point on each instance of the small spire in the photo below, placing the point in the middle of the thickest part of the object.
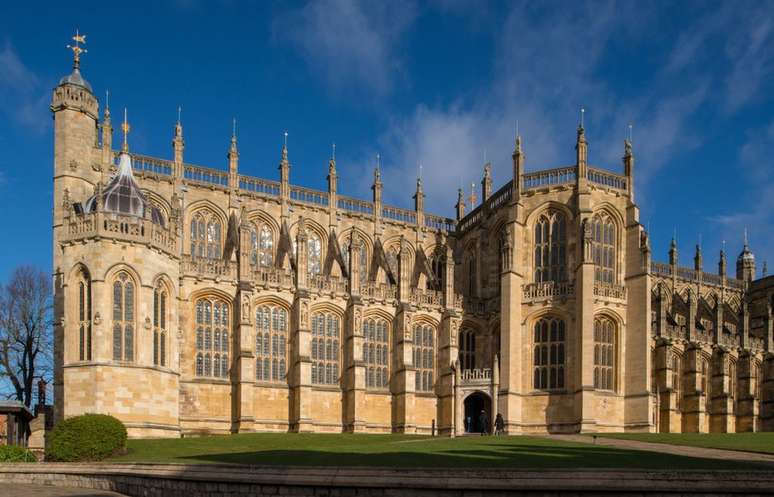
(746, 245)
(378, 169)
(233, 128)
(765, 269)
(107, 104)
(77, 49)
(285, 148)
(582, 113)
(125, 129)
(333, 151)
(233, 148)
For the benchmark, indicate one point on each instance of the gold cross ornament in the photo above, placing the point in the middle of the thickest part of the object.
(77, 49)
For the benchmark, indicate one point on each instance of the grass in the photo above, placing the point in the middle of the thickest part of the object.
(749, 442)
(404, 451)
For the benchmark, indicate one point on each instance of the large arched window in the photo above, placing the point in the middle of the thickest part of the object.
(123, 318)
(376, 352)
(603, 248)
(362, 262)
(676, 370)
(160, 326)
(549, 354)
(438, 266)
(212, 337)
(84, 316)
(326, 332)
(550, 248)
(205, 235)
(755, 380)
(271, 332)
(424, 357)
(262, 246)
(604, 353)
(467, 349)
(314, 247)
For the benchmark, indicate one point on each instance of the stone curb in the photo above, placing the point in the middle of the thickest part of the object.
(187, 478)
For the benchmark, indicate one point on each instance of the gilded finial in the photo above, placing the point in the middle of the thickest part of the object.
(125, 129)
(77, 48)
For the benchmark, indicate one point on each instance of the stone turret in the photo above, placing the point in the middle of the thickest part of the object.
(460, 205)
(486, 182)
(745, 263)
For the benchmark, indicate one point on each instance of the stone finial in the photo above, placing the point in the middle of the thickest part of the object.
(697, 259)
(460, 205)
(673, 252)
(486, 181)
(722, 264)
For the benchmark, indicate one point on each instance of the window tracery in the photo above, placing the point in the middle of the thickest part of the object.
(550, 248)
(549, 354)
(84, 317)
(424, 357)
(262, 246)
(376, 352)
(603, 248)
(362, 262)
(326, 333)
(212, 337)
(123, 318)
(467, 343)
(160, 326)
(271, 329)
(206, 232)
(604, 353)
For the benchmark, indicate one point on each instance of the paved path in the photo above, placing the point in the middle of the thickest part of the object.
(18, 490)
(678, 450)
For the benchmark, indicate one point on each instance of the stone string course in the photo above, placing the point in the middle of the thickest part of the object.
(173, 480)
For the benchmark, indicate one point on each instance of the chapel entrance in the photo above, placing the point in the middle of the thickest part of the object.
(474, 404)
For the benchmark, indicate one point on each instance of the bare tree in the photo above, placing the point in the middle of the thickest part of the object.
(25, 331)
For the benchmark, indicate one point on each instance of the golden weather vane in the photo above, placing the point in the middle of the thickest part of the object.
(125, 129)
(77, 48)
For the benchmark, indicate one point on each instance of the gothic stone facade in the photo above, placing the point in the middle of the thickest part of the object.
(228, 303)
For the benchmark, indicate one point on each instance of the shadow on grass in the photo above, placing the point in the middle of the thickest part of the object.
(495, 456)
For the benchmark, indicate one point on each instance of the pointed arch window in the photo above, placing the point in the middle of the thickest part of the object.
(123, 318)
(376, 352)
(314, 248)
(603, 248)
(206, 237)
(467, 354)
(160, 325)
(362, 262)
(604, 353)
(271, 332)
(551, 248)
(549, 354)
(326, 336)
(755, 380)
(262, 246)
(424, 357)
(212, 337)
(676, 370)
(84, 316)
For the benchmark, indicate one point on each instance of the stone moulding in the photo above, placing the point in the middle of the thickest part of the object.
(191, 480)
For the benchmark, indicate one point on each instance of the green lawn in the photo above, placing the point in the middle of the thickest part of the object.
(403, 451)
(750, 442)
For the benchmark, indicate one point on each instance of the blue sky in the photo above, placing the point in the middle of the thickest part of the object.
(441, 83)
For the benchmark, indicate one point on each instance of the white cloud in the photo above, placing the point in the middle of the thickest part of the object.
(351, 44)
(21, 95)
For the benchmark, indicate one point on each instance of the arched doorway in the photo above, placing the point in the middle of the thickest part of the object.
(475, 403)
